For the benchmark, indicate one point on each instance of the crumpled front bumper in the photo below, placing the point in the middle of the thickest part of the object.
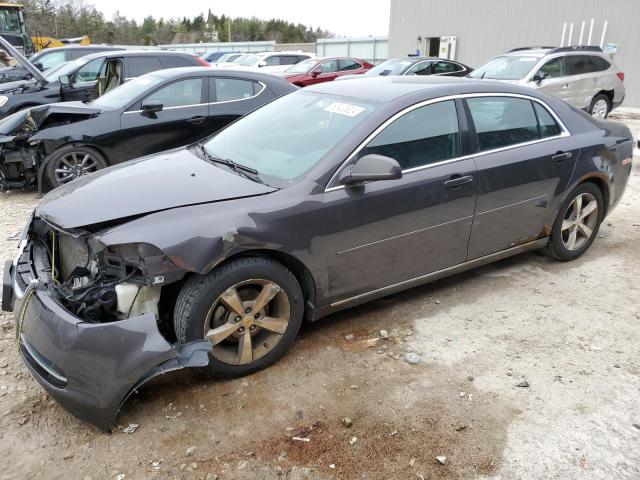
(91, 368)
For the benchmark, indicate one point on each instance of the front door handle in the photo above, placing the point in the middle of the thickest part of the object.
(197, 120)
(561, 157)
(458, 180)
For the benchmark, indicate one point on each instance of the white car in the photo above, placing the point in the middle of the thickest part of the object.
(270, 62)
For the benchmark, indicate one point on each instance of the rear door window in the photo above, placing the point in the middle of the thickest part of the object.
(227, 89)
(137, 66)
(503, 121)
(346, 64)
(578, 64)
(421, 137)
(548, 126)
(441, 67)
(422, 68)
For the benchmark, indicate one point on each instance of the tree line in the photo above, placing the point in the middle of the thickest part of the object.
(74, 18)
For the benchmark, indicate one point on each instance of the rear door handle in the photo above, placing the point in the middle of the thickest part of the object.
(197, 120)
(458, 180)
(561, 157)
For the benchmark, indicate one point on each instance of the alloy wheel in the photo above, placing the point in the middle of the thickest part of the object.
(75, 165)
(247, 321)
(599, 109)
(579, 221)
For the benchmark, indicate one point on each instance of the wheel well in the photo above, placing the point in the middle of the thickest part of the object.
(601, 184)
(608, 93)
(299, 270)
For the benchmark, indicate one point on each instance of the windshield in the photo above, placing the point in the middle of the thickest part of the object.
(63, 69)
(122, 96)
(303, 67)
(10, 20)
(506, 68)
(390, 67)
(248, 60)
(287, 137)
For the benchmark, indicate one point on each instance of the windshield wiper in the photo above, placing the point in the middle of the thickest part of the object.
(250, 173)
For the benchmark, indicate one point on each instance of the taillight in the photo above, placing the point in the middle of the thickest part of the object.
(621, 76)
(206, 64)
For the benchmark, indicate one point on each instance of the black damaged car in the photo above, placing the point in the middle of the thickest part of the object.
(212, 255)
(84, 79)
(54, 144)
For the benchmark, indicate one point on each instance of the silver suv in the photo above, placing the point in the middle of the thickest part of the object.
(585, 77)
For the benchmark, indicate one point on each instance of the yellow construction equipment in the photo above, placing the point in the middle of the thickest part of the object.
(40, 43)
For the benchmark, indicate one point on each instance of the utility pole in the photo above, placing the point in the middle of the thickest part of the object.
(229, 29)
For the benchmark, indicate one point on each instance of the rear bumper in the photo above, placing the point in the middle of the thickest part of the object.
(92, 368)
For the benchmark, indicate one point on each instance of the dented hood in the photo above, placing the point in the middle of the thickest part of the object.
(30, 120)
(171, 179)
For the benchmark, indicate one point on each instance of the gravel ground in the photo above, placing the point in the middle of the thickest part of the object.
(572, 331)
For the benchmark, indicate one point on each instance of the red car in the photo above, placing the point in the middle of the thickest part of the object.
(324, 69)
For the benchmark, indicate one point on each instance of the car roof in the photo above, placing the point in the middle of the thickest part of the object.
(136, 53)
(384, 89)
(179, 72)
(97, 47)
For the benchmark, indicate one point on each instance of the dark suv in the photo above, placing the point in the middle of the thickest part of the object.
(84, 79)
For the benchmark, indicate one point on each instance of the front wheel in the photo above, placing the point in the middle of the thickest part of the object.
(72, 162)
(577, 223)
(250, 309)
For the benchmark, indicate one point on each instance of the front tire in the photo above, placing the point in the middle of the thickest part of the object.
(577, 223)
(250, 309)
(600, 106)
(72, 162)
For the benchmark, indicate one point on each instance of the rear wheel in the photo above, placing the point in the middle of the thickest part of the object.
(600, 106)
(72, 162)
(250, 309)
(577, 223)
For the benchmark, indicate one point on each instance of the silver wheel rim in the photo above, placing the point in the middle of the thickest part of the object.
(579, 221)
(247, 321)
(600, 109)
(74, 165)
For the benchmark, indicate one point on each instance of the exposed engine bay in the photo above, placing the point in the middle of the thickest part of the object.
(99, 283)
(20, 155)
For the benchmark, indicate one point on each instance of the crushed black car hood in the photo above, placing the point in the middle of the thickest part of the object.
(166, 180)
(30, 120)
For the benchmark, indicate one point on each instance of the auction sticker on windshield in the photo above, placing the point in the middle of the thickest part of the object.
(344, 109)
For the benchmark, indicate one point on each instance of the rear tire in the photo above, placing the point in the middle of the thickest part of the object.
(251, 310)
(600, 106)
(577, 224)
(70, 163)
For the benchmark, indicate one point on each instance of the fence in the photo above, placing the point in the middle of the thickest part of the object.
(201, 48)
(371, 49)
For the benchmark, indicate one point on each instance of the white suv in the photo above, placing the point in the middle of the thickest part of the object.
(585, 77)
(271, 62)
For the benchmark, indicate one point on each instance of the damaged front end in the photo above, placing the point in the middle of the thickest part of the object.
(88, 322)
(21, 157)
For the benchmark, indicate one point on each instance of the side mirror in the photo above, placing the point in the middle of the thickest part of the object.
(315, 73)
(38, 66)
(150, 108)
(64, 80)
(262, 64)
(539, 76)
(371, 168)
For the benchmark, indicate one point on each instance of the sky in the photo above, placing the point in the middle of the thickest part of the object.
(342, 17)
